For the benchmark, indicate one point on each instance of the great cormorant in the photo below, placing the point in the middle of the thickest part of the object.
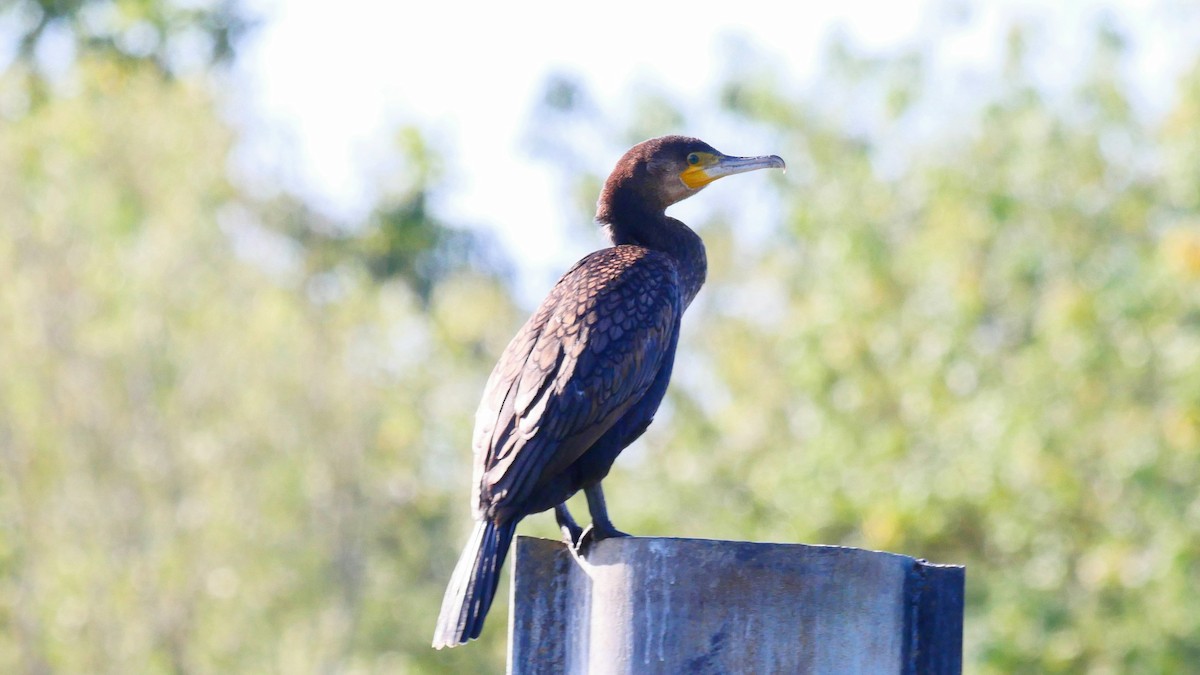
(583, 377)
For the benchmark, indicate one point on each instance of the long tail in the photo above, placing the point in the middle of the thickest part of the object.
(473, 585)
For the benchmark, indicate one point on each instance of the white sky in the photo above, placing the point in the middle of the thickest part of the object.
(322, 85)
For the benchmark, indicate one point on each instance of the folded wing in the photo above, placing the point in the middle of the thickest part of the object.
(585, 357)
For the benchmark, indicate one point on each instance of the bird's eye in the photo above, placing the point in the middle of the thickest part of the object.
(693, 159)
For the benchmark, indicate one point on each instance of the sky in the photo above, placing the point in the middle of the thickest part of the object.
(321, 87)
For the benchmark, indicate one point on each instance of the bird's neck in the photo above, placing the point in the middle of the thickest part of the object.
(660, 232)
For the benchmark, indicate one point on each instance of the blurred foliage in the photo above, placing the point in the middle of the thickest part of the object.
(985, 352)
(212, 460)
(168, 34)
(235, 435)
(401, 239)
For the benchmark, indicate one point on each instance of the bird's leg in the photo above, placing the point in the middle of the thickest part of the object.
(601, 527)
(571, 530)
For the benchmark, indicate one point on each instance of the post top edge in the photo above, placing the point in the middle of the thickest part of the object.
(737, 546)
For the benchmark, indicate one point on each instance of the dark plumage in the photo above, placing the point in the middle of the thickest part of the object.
(584, 376)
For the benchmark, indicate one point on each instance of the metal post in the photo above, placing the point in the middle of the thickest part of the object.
(663, 605)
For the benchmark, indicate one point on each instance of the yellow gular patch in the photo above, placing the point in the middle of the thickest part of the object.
(696, 175)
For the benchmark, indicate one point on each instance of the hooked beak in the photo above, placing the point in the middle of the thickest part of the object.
(719, 166)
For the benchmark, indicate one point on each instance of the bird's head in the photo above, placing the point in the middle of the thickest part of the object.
(657, 173)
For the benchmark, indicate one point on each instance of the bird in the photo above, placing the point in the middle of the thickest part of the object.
(584, 376)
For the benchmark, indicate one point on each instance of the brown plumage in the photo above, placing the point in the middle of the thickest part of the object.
(584, 376)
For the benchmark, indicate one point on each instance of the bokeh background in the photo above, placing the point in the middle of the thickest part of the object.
(256, 262)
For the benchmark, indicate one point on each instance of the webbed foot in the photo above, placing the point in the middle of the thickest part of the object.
(595, 533)
(571, 531)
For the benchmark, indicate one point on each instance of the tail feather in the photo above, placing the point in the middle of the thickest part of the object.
(473, 584)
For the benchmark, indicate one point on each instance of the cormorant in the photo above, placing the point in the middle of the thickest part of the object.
(583, 377)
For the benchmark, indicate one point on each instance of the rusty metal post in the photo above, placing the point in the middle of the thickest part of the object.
(662, 605)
